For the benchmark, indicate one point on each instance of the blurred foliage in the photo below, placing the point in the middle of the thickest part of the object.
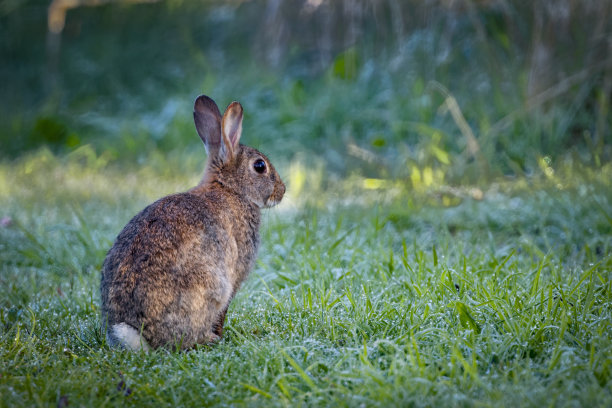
(430, 92)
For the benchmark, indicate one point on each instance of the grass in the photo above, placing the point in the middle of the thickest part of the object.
(401, 300)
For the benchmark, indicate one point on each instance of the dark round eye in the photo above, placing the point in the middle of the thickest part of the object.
(259, 166)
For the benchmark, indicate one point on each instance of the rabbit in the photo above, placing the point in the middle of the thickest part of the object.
(169, 277)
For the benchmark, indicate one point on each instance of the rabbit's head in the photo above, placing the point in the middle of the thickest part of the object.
(242, 169)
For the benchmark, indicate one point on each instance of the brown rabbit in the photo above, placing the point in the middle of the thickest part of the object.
(173, 270)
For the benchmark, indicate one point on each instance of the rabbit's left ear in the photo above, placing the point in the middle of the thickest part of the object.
(207, 120)
(231, 128)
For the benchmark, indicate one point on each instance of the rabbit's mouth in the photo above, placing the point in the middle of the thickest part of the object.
(271, 202)
(274, 198)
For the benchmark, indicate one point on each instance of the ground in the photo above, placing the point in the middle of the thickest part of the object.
(390, 297)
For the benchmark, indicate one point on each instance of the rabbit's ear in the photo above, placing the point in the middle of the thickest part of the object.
(207, 120)
(231, 127)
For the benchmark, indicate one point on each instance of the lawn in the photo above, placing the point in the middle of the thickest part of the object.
(389, 298)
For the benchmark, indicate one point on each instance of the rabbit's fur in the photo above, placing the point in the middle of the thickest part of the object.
(173, 270)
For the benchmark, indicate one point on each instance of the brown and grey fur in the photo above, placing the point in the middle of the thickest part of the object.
(173, 270)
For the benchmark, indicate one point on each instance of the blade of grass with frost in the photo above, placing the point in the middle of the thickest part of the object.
(255, 389)
(299, 370)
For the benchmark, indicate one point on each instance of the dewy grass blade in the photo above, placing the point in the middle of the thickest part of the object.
(584, 276)
(338, 241)
(435, 257)
(299, 370)
(255, 389)
(536, 280)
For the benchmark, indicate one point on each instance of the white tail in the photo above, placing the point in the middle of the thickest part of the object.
(126, 336)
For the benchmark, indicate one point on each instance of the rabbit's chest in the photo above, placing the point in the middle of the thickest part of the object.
(243, 259)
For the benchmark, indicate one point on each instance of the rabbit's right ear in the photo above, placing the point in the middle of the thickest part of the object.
(207, 120)
(231, 127)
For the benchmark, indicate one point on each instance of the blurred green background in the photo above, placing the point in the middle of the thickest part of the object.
(424, 93)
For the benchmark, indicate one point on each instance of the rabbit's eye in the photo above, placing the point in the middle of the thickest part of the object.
(259, 166)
